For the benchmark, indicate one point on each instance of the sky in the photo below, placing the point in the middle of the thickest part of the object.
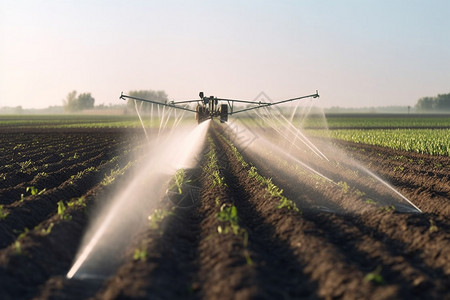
(356, 53)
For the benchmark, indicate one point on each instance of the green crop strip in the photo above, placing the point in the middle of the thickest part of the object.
(267, 183)
(114, 173)
(212, 167)
(273, 190)
(228, 216)
(425, 141)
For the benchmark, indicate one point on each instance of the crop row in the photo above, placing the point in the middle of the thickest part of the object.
(373, 121)
(425, 141)
(366, 240)
(76, 121)
(47, 248)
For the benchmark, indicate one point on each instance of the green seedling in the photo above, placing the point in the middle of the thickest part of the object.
(24, 165)
(371, 202)
(375, 276)
(62, 212)
(17, 247)
(387, 208)
(252, 173)
(3, 213)
(34, 191)
(399, 168)
(140, 254)
(114, 173)
(433, 226)
(156, 218)
(77, 202)
(42, 174)
(345, 187)
(229, 215)
(80, 174)
(286, 203)
(212, 167)
(179, 180)
(48, 230)
(217, 180)
(360, 193)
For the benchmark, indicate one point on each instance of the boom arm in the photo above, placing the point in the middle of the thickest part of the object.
(170, 104)
(209, 107)
(262, 104)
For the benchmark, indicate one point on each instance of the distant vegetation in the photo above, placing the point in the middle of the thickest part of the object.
(434, 104)
(74, 103)
(158, 96)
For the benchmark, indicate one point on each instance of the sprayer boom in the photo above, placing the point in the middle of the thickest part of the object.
(209, 107)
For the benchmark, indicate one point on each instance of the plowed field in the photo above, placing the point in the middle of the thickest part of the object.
(233, 237)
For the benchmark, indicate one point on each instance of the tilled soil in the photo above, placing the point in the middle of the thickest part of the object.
(274, 253)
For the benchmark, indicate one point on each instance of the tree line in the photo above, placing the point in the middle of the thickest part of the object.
(77, 102)
(438, 103)
(74, 102)
(157, 96)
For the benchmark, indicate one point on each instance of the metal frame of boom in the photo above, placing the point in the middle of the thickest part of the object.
(214, 106)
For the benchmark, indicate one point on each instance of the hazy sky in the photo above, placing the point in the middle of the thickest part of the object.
(356, 53)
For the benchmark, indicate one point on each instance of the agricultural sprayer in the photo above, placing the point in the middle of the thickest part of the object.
(209, 107)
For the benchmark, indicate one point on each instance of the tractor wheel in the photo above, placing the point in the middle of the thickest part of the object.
(223, 113)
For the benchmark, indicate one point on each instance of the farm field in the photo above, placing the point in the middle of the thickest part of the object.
(246, 222)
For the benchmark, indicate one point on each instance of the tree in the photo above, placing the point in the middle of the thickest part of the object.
(75, 103)
(85, 101)
(439, 103)
(442, 102)
(158, 96)
(71, 103)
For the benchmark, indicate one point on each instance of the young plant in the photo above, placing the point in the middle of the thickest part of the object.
(48, 230)
(114, 173)
(77, 202)
(229, 215)
(18, 247)
(140, 254)
(387, 208)
(212, 167)
(179, 180)
(345, 187)
(433, 226)
(157, 217)
(24, 165)
(375, 276)
(80, 174)
(289, 204)
(62, 212)
(371, 202)
(34, 191)
(3, 213)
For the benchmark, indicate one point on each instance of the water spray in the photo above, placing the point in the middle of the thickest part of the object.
(127, 212)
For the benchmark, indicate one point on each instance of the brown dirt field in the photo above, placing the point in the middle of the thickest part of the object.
(356, 251)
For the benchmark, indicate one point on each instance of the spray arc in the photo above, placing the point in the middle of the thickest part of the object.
(112, 230)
